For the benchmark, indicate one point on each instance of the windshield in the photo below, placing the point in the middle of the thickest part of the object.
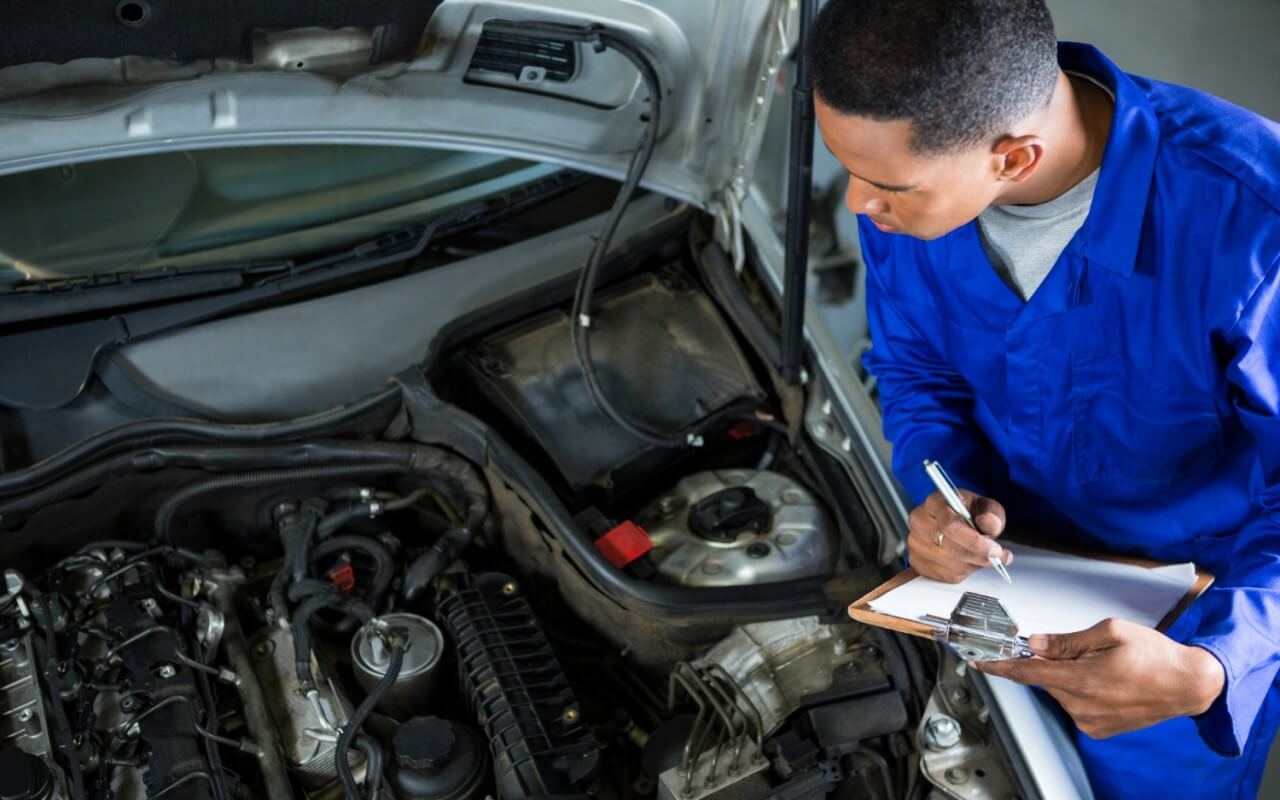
(196, 207)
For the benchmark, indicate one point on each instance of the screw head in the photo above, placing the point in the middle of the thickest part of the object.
(941, 732)
(167, 671)
(757, 550)
(956, 775)
(570, 715)
(509, 588)
(25, 715)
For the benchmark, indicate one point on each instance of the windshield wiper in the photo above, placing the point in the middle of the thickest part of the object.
(28, 301)
(31, 300)
(47, 365)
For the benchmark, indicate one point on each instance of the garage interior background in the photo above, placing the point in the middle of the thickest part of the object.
(1225, 47)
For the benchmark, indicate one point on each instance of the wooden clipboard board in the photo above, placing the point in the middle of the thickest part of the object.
(860, 609)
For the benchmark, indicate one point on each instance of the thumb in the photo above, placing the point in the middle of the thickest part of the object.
(1066, 646)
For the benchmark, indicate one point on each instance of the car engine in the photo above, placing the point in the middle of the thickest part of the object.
(470, 585)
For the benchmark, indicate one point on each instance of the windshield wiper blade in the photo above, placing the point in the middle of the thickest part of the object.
(32, 300)
(48, 367)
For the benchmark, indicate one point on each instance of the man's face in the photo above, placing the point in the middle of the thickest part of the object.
(901, 191)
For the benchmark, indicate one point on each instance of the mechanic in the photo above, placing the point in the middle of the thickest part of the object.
(1074, 302)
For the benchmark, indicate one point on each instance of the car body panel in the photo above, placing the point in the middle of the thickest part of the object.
(714, 60)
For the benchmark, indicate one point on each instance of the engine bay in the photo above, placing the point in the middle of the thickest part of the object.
(460, 588)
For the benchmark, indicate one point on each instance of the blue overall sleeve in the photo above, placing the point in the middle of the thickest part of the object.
(1240, 614)
(927, 405)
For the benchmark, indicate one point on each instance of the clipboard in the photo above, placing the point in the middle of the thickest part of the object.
(860, 609)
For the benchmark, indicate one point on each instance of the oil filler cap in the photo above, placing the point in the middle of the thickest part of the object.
(23, 776)
(721, 516)
(424, 743)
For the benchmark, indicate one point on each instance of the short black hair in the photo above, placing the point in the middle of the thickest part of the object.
(962, 71)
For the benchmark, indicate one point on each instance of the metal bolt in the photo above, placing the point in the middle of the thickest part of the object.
(25, 715)
(127, 704)
(167, 671)
(839, 647)
(570, 715)
(757, 550)
(956, 775)
(668, 504)
(509, 588)
(941, 732)
(960, 695)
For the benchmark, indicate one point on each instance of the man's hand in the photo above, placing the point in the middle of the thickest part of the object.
(1118, 676)
(962, 549)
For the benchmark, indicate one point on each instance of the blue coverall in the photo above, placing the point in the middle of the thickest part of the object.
(1132, 404)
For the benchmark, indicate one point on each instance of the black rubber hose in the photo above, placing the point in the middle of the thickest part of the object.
(399, 643)
(428, 566)
(383, 566)
(581, 322)
(155, 431)
(335, 521)
(295, 528)
(60, 722)
(164, 517)
(372, 750)
(226, 459)
(327, 596)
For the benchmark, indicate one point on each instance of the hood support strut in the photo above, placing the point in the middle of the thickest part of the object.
(799, 194)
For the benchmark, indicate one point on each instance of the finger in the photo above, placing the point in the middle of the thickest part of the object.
(968, 545)
(1033, 672)
(987, 514)
(1064, 646)
(945, 570)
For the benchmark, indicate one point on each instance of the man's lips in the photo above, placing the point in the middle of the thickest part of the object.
(883, 228)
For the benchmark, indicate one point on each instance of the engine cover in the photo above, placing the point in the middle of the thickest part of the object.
(736, 528)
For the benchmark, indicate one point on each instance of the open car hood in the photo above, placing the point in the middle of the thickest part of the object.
(167, 74)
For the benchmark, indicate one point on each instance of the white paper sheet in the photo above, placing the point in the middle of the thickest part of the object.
(1052, 592)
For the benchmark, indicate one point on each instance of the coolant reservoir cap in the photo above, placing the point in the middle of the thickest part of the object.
(23, 776)
(372, 653)
(424, 743)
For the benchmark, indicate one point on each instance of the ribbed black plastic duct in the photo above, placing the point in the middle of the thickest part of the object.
(517, 691)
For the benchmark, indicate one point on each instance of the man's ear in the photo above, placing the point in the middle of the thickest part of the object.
(1017, 157)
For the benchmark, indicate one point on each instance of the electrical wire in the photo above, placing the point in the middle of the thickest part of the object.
(581, 321)
(399, 643)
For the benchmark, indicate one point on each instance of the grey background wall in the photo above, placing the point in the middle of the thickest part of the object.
(1226, 47)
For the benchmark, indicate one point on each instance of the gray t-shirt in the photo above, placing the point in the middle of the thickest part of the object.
(1024, 242)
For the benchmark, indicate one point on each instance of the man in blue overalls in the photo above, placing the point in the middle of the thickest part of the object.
(1073, 285)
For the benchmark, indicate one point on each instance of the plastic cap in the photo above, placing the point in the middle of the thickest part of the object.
(23, 776)
(424, 743)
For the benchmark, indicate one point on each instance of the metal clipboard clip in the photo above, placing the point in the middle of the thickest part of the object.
(980, 630)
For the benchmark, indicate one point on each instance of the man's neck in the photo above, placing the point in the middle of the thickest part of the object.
(1075, 133)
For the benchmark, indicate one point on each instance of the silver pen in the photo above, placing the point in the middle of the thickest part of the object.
(952, 495)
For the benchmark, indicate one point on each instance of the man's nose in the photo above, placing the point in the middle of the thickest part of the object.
(863, 199)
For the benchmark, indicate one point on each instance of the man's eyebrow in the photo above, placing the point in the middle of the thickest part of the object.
(885, 186)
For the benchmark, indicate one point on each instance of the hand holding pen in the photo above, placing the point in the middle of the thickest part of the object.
(953, 532)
